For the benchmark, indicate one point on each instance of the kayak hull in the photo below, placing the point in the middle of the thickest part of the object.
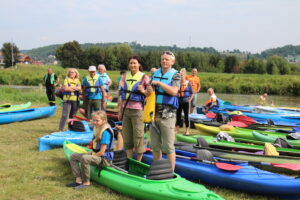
(57, 139)
(27, 114)
(141, 188)
(8, 107)
(247, 179)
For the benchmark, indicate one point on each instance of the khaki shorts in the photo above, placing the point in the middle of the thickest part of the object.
(165, 140)
(133, 130)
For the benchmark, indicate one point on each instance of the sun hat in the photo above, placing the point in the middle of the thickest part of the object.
(92, 69)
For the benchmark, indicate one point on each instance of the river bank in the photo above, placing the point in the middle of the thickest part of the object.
(284, 85)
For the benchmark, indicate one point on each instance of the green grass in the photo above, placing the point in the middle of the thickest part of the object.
(221, 82)
(28, 174)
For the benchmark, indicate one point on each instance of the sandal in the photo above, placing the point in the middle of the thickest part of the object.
(74, 184)
(81, 187)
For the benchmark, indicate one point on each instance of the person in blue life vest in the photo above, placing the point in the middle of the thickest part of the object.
(185, 96)
(51, 81)
(72, 88)
(166, 83)
(105, 79)
(93, 92)
(102, 154)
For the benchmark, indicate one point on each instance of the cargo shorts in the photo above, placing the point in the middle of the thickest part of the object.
(133, 130)
(164, 140)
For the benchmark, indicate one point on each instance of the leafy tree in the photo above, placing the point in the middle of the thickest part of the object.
(122, 52)
(254, 66)
(94, 56)
(9, 51)
(150, 59)
(70, 55)
(230, 64)
(277, 65)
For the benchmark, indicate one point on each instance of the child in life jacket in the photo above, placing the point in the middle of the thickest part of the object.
(102, 154)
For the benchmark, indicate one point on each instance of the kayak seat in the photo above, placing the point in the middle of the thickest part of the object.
(160, 170)
(203, 154)
(120, 159)
(201, 142)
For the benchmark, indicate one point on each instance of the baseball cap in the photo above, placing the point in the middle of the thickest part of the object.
(92, 69)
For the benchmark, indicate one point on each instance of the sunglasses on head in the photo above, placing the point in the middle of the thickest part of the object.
(168, 53)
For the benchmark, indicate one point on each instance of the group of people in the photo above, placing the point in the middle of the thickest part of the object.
(175, 92)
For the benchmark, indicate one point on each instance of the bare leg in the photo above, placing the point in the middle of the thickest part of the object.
(157, 155)
(139, 156)
(129, 153)
(78, 180)
(172, 158)
(120, 141)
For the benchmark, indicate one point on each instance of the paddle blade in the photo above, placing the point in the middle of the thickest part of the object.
(290, 166)
(211, 115)
(228, 167)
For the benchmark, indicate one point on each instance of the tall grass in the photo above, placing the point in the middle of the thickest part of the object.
(222, 83)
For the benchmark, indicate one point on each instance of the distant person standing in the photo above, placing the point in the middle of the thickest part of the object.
(50, 81)
(105, 79)
(185, 96)
(72, 88)
(196, 85)
(94, 93)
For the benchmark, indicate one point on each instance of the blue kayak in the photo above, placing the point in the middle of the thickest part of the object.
(278, 119)
(57, 139)
(247, 179)
(26, 114)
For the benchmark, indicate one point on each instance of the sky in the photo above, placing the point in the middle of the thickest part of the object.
(248, 25)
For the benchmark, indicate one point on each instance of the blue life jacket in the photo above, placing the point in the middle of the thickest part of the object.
(161, 96)
(109, 153)
(131, 86)
(185, 92)
(93, 84)
(105, 79)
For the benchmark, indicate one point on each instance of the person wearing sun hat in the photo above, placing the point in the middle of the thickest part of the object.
(93, 92)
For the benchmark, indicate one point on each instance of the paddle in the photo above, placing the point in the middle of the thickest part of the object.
(81, 118)
(290, 166)
(223, 166)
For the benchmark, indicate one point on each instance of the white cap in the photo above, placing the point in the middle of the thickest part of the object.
(92, 69)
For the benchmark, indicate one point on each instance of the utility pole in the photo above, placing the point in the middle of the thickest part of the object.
(12, 54)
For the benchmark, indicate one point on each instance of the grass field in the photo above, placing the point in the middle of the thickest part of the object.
(27, 174)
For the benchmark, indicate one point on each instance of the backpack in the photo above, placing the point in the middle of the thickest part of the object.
(59, 92)
(222, 118)
(77, 126)
(282, 143)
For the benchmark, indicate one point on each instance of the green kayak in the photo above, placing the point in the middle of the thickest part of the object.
(234, 145)
(247, 156)
(271, 139)
(8, 107)
(236, 132)
(135, 184)
(111, 105)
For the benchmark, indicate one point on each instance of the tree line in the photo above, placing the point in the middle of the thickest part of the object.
(114, 57)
